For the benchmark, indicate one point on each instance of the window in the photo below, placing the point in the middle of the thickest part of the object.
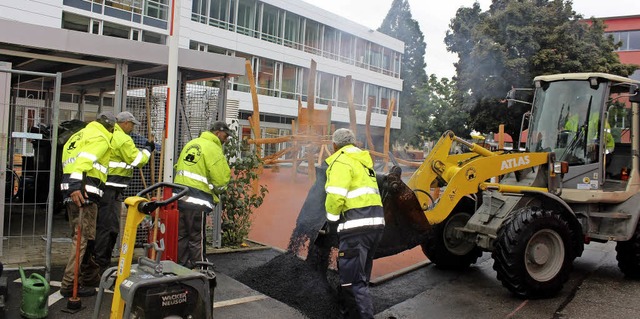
(361, 53)
(372, 97)
(385, 100)
(387, 60)
(75, 22)
(199, 11)
(634, 40)
(135, 34)
(115, 30)
(271, 24)
(325, 88)
(346, 48)
(126, 5)
(157, 9)
(358, 96)
(630, 39)
(152, 37)
(292, 30)
(395, 95)
(375, 57)
(96, 26)
(397, 63)
(266, 77)
(219, 13)
(289, 76)
(247, 17)
(241, 83)
(270, 132)
(303, 81)
(331, 43)
(343, 92)
(312, 37)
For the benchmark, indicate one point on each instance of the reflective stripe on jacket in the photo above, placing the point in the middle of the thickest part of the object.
(124, 158)
(202, 166)
(85, 160)
(572, 124)
(352, 190)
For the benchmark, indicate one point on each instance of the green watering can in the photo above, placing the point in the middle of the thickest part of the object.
(35, 296)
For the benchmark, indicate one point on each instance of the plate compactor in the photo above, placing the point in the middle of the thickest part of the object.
(155, 288)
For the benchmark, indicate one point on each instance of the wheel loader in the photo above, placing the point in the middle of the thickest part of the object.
(575, 182)
(534, 209)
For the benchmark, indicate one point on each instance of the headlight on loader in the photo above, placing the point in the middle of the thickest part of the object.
(560, 167)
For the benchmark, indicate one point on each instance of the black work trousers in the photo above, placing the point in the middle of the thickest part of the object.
(355, 260)
(190, 235)
(108, 225)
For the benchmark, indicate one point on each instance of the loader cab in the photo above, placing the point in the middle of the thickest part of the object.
(585, 119)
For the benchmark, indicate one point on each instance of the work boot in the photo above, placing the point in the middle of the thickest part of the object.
(82, 291)
(90, 274)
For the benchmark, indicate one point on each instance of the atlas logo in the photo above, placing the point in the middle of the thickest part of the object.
(515, 162)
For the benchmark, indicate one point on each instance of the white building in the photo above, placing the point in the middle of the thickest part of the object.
(279, 37)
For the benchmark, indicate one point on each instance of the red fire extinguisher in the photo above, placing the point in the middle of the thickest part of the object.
(624, 174)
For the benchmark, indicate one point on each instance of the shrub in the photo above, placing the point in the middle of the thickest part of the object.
(243, 193)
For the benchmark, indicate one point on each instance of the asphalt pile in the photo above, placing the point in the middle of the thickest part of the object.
(301, 278)
(298, 283)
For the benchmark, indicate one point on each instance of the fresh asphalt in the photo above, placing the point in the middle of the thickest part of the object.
(596, 289)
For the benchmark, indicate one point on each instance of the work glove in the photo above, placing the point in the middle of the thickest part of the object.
(331, 228)
(150, 146)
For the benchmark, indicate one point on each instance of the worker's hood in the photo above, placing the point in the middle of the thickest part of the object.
(353, 152)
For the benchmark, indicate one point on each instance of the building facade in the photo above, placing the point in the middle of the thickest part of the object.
(278, 37)
(626, 29)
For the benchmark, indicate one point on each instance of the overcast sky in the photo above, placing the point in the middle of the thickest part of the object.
(434, 18)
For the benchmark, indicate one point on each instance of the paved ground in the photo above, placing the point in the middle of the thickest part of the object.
(232, 299)
(596, 289)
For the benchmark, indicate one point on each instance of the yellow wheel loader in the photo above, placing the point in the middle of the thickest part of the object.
(535, 208)
(576, 181)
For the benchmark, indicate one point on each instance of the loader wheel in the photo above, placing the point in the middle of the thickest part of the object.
(533, 253)
(628, 255)
(446, 246)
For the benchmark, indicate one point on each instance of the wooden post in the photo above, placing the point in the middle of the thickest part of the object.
(348, 87)
(255, 119)
(387, 133)
(296, 150)
(368, 124)
(501, 136)
(311, 96)
(325, 131)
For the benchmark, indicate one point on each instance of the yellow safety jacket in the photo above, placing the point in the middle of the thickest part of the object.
(202, 167)
(85, 158)
(124, 158)
(572, 125)
(352, 190)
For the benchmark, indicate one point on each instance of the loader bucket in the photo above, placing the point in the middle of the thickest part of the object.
(406, 224)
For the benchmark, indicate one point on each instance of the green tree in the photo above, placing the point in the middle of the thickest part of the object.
(400, 24)
(514, 41)
(439, 112)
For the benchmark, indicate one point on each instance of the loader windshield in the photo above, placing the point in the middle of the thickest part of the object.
(566, 120)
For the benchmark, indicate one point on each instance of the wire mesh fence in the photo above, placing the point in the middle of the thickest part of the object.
(198, 109)
(29, 104)
(146, 100)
